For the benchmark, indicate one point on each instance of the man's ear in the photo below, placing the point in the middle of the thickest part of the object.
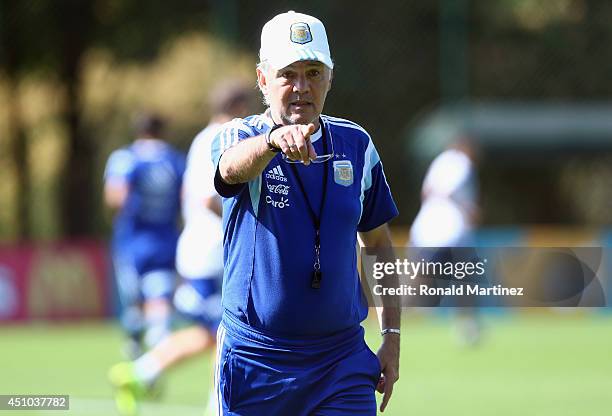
(331, 77)
(262, 81)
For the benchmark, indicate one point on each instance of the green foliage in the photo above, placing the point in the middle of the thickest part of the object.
(389, 71)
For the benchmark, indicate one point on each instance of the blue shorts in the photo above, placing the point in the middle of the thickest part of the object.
(257, 374)
(199, 301)
(146, 251)
(135, 287)
(144, 267)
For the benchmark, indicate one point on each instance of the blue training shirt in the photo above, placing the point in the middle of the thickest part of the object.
(269, 233)
(153, 171)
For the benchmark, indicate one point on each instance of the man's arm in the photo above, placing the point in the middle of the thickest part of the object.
(388, 315)
(247, 159)
(116, 178)
(115, 193)
(213, 203)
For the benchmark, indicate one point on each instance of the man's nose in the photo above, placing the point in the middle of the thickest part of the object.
(301, 84)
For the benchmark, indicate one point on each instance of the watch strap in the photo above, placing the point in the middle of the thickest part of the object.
(271, 147)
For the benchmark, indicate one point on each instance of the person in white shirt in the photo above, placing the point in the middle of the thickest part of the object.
(449, 214)
(449, 209)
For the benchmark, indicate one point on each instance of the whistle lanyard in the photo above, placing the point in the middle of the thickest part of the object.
(316, 219)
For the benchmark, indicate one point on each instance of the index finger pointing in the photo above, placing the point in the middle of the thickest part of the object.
(307, 129)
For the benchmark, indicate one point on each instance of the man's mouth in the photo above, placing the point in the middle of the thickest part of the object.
(300, 103)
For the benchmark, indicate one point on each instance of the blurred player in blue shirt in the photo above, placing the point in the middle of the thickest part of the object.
(143, 182)
(298, 188)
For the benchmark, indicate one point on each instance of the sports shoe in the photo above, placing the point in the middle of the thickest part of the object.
(128, 388)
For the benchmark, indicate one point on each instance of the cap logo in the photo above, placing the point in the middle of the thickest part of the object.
(300, 33)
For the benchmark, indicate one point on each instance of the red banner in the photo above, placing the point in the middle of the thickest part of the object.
(65, 280)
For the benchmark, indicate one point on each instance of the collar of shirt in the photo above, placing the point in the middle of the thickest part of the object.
(316, 135)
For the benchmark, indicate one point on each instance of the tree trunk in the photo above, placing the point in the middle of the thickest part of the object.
(77, 178)
(11, 59)
(77, 199)
(19, 155)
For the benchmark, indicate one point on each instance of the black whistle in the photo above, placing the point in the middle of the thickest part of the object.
(316, 279)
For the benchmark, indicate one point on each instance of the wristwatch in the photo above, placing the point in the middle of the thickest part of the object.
(389, 331)
(271, 147)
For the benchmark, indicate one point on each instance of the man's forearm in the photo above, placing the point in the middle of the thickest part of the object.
(245, 161)
(378, 241)
(389, 316)
(390, 311)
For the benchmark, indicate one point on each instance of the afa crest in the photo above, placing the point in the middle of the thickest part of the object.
(343, 172)
(300, 33)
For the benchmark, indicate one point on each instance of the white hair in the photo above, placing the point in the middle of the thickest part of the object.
(263, 67)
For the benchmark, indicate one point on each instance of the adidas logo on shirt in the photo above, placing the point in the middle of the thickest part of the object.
(276, 174)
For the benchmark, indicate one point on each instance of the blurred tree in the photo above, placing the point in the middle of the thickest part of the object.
(385, 74)
(52, 38)
(75, 21)
(12, 49)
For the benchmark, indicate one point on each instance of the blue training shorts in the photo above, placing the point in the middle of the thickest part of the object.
(144, 267)
(256, 374)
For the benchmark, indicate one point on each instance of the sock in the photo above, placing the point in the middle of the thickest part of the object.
(132, 322)
(158, 327)
(147, 369)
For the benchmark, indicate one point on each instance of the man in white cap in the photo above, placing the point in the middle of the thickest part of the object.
(299, 187)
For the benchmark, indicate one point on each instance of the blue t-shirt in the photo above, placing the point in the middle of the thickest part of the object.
(153, 172)
(270, 234)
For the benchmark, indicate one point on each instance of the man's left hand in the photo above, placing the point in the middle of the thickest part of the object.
(388, 356)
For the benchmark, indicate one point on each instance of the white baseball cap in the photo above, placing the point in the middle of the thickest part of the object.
(291, 37)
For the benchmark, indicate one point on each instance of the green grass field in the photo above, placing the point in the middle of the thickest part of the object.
(531, 363)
